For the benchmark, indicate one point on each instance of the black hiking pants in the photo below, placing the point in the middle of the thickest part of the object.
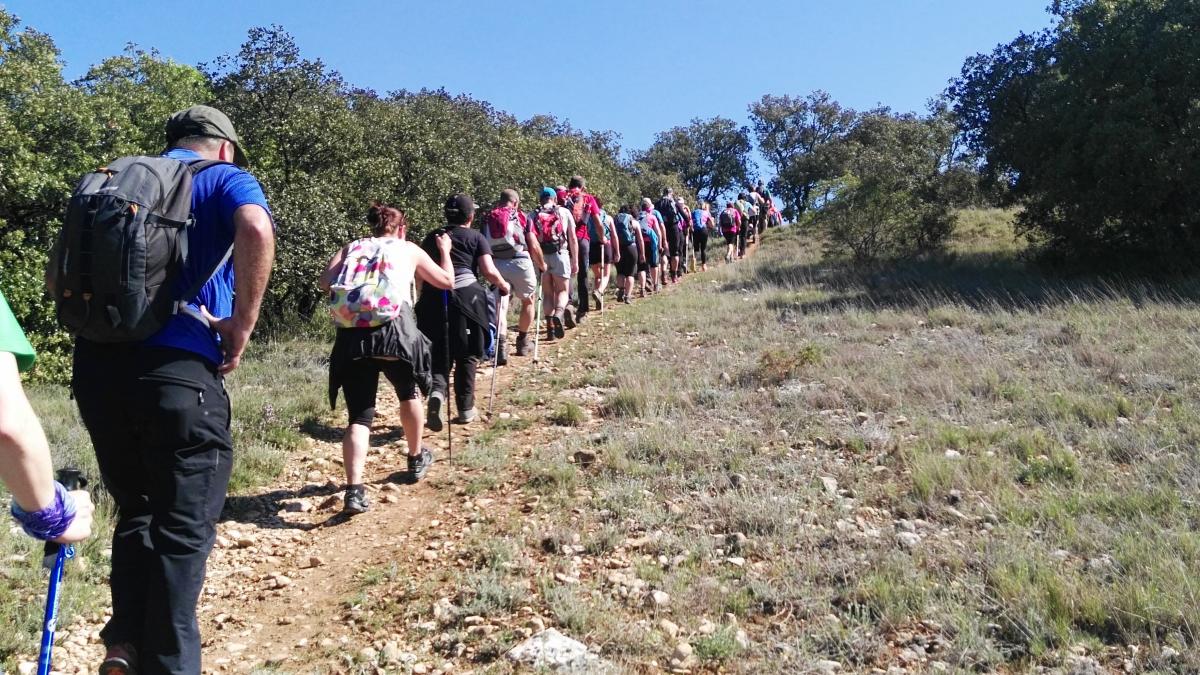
(581, 276)
(464, 377)
(159, 421)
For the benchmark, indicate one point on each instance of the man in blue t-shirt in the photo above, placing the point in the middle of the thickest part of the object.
(158, 414)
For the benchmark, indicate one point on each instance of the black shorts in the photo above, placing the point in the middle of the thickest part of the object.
(629, 260)
(360, 384)
(730, 237)
(594, 253)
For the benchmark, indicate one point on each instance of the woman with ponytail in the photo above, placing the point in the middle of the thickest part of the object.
(370, 281)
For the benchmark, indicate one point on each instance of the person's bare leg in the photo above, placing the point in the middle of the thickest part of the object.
(502, 316)
(354, 452)
(527, 310)
(412, 418)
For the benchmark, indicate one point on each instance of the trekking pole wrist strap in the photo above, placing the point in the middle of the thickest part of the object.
(50, 522)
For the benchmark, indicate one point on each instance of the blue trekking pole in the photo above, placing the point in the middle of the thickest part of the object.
(55, 559)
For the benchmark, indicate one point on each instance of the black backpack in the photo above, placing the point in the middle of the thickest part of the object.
(666, 206)
(725, 221)
(122, 245)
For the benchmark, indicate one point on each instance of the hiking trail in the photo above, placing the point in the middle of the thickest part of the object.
(288, 564)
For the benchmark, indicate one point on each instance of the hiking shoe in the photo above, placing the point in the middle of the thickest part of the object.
(466, 416)
(356, 500)
(433, 413)
(418, 466)
(522, 344)
(119, 659)
(579, 319)
(556, 326)
(569, 319)
(501, 356)
(620, 295)
(599, 300)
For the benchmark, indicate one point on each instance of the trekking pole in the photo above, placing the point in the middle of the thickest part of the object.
(495, 361)
(537, 319)
(55, 559)
(449, 372)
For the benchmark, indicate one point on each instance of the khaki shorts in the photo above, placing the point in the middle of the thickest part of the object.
(559, 264)
(519, 274)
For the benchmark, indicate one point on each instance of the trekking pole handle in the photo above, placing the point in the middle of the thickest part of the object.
(72, 479)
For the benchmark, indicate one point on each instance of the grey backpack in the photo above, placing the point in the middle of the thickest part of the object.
(122, 245)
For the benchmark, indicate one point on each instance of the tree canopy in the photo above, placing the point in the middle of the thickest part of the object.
(1093, 124)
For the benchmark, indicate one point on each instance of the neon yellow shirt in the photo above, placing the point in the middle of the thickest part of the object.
(12, 338)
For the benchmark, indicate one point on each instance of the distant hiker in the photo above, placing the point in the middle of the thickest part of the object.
(604, 252)
(41, 505)
(148, 374)
(685, 241)
(673, 229)
(370, 282)
(651, 227)
(584, 209)
(745, 224)
(461, 315)
(702, 222)
(730, 223)
(629, 240)
(519, 259)
(555, 229)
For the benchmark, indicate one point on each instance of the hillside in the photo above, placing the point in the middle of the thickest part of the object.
(788, 464)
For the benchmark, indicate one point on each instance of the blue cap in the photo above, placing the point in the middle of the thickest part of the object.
(549, 192)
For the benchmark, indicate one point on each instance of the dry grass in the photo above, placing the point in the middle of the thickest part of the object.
(1015, 464)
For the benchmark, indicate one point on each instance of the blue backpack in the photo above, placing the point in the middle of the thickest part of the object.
(698, 219)
(624, 224)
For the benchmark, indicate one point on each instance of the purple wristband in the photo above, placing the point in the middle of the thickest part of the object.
(52, 521)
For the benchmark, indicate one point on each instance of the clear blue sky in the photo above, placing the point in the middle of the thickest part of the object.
(648, 65)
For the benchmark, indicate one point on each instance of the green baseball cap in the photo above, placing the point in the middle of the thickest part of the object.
(203, 120)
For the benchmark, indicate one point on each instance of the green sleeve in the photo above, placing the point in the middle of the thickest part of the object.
(12, 338)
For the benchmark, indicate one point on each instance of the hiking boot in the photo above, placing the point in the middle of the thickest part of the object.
(501, 355)
(568, 318)
(579, 319)
(418, 466)
(466, 416)
(522, 344)
(433, 413)
(620, 295)
(119, 659)
(599, 298)
(356, 500)
(556, 326)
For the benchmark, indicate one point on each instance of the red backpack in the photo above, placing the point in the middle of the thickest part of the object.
(550, 231)
(577, 205)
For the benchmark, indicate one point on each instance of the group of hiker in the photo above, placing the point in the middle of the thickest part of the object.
(152, 253)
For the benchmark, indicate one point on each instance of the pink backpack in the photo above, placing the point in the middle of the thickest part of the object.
(505, 228)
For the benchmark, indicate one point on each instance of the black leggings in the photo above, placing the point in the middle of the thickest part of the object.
(700, 245)
(360, 384)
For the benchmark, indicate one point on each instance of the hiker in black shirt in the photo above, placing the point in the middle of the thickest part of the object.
(467, 312)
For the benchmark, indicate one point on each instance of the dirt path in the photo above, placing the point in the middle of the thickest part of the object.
(286, 577)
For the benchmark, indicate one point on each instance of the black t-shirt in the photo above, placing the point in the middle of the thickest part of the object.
(466, 246)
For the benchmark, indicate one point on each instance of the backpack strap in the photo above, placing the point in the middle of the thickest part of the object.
(181, 305)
